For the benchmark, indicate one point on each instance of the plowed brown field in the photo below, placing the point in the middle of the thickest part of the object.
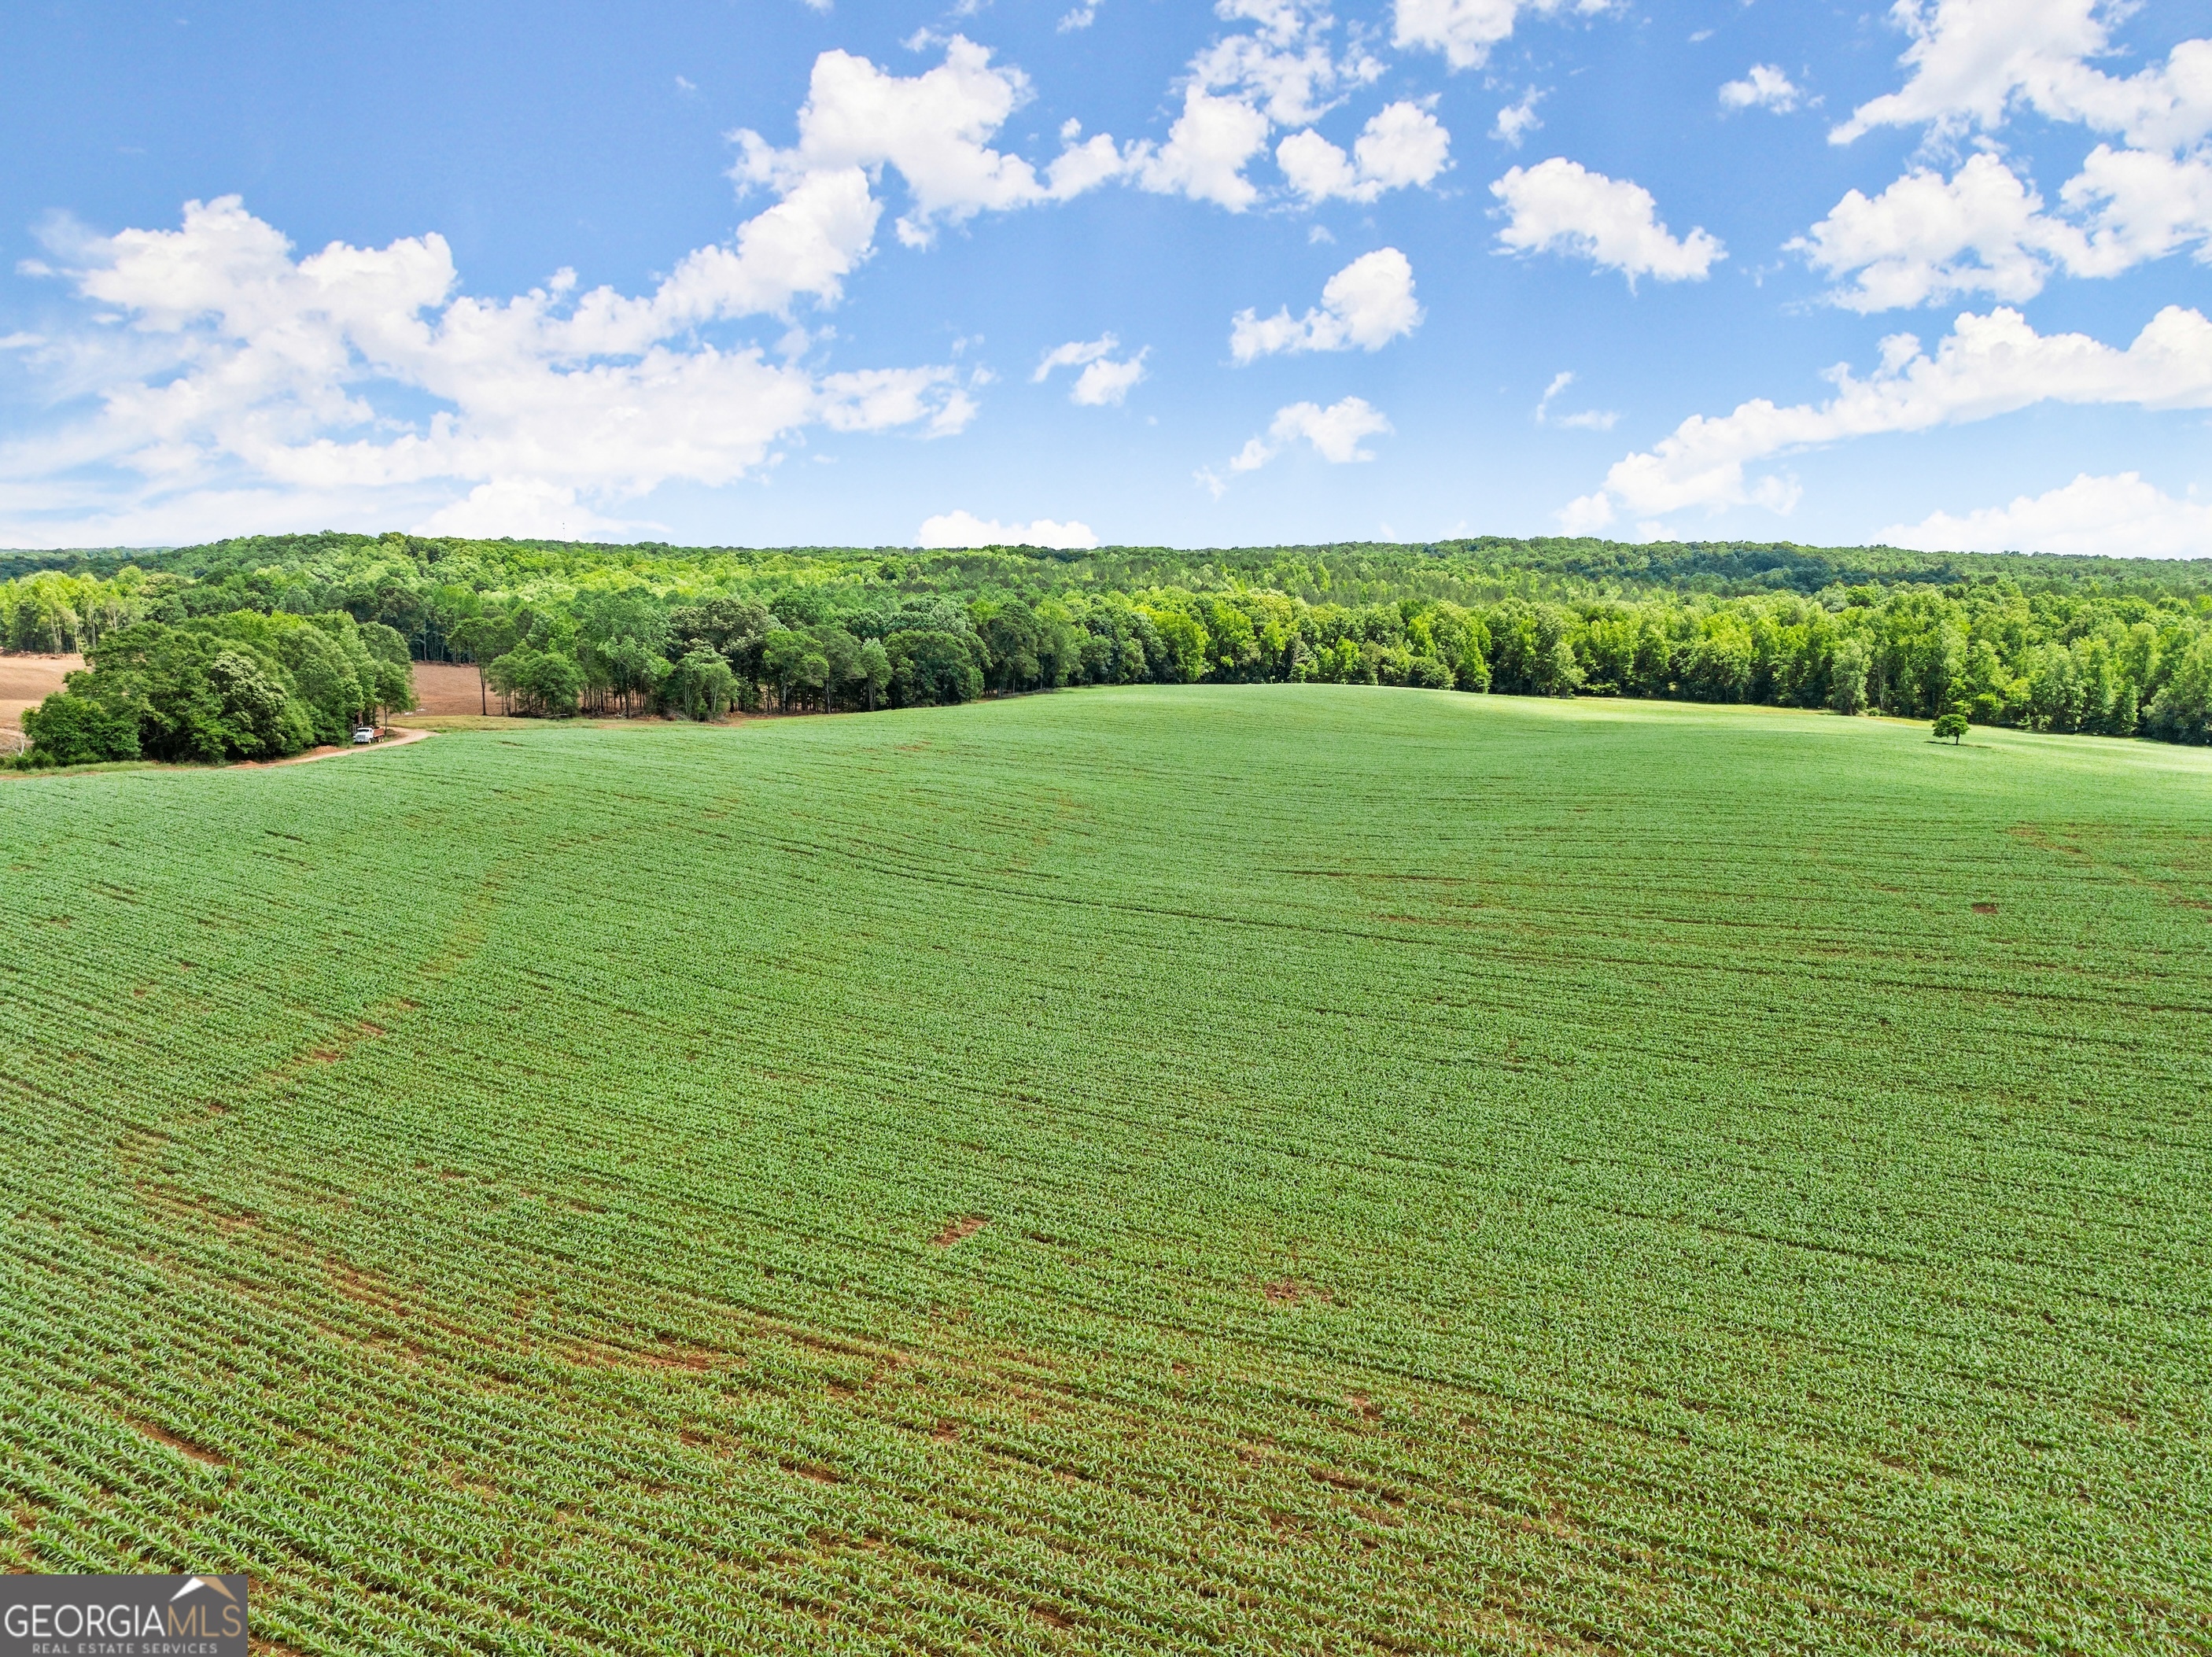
(446, 687)
(26, 681)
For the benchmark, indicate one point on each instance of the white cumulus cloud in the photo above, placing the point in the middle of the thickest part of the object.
(1558, 205)
(2120, 516)
(520, 507)
(2134, 205)
(1285, 70)
(1970, 61)
(1103, 379)
(935, 129)
(250, 373)
(1765, 87)
(1986, 366)
(1926, 238)
(1465, 31)
(361, 383)
(1402, 145)
(964, 529)
(1971, 64)
(1072, 355)
(1335, 433)
(1207, 152)
(1284, 65)
(877, 400)
(1516, 121)
(1368, 303)
(1108, 382)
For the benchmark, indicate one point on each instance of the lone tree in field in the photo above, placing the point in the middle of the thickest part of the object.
(1953, 725)
(482, 639)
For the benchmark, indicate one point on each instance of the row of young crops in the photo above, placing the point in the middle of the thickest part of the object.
(1133, 1171)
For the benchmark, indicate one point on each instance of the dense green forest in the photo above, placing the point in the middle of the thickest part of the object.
(2112, 646)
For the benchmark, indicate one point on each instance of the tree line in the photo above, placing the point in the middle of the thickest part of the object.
(2093, 646)
(2113, 666)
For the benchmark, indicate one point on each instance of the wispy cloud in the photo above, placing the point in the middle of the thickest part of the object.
(1104, 378)
(1586, 420)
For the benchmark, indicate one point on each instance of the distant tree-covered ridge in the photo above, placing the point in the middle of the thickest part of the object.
(2110, 646)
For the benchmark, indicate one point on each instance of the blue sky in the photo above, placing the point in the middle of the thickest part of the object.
(774, 273)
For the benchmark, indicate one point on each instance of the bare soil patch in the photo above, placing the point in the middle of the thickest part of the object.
(183, 1446)
(28, 680)
(441, 687)
(447, 687)
(961, 1229)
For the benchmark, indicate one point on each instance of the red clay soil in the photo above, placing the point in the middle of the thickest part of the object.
(441, 687)
(958, 1230)
(446, 687)
(28, 680)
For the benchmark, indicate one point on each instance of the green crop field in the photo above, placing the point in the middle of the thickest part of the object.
(1215, 1169)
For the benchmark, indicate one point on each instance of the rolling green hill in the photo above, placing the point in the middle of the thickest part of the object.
(1231, 1168)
